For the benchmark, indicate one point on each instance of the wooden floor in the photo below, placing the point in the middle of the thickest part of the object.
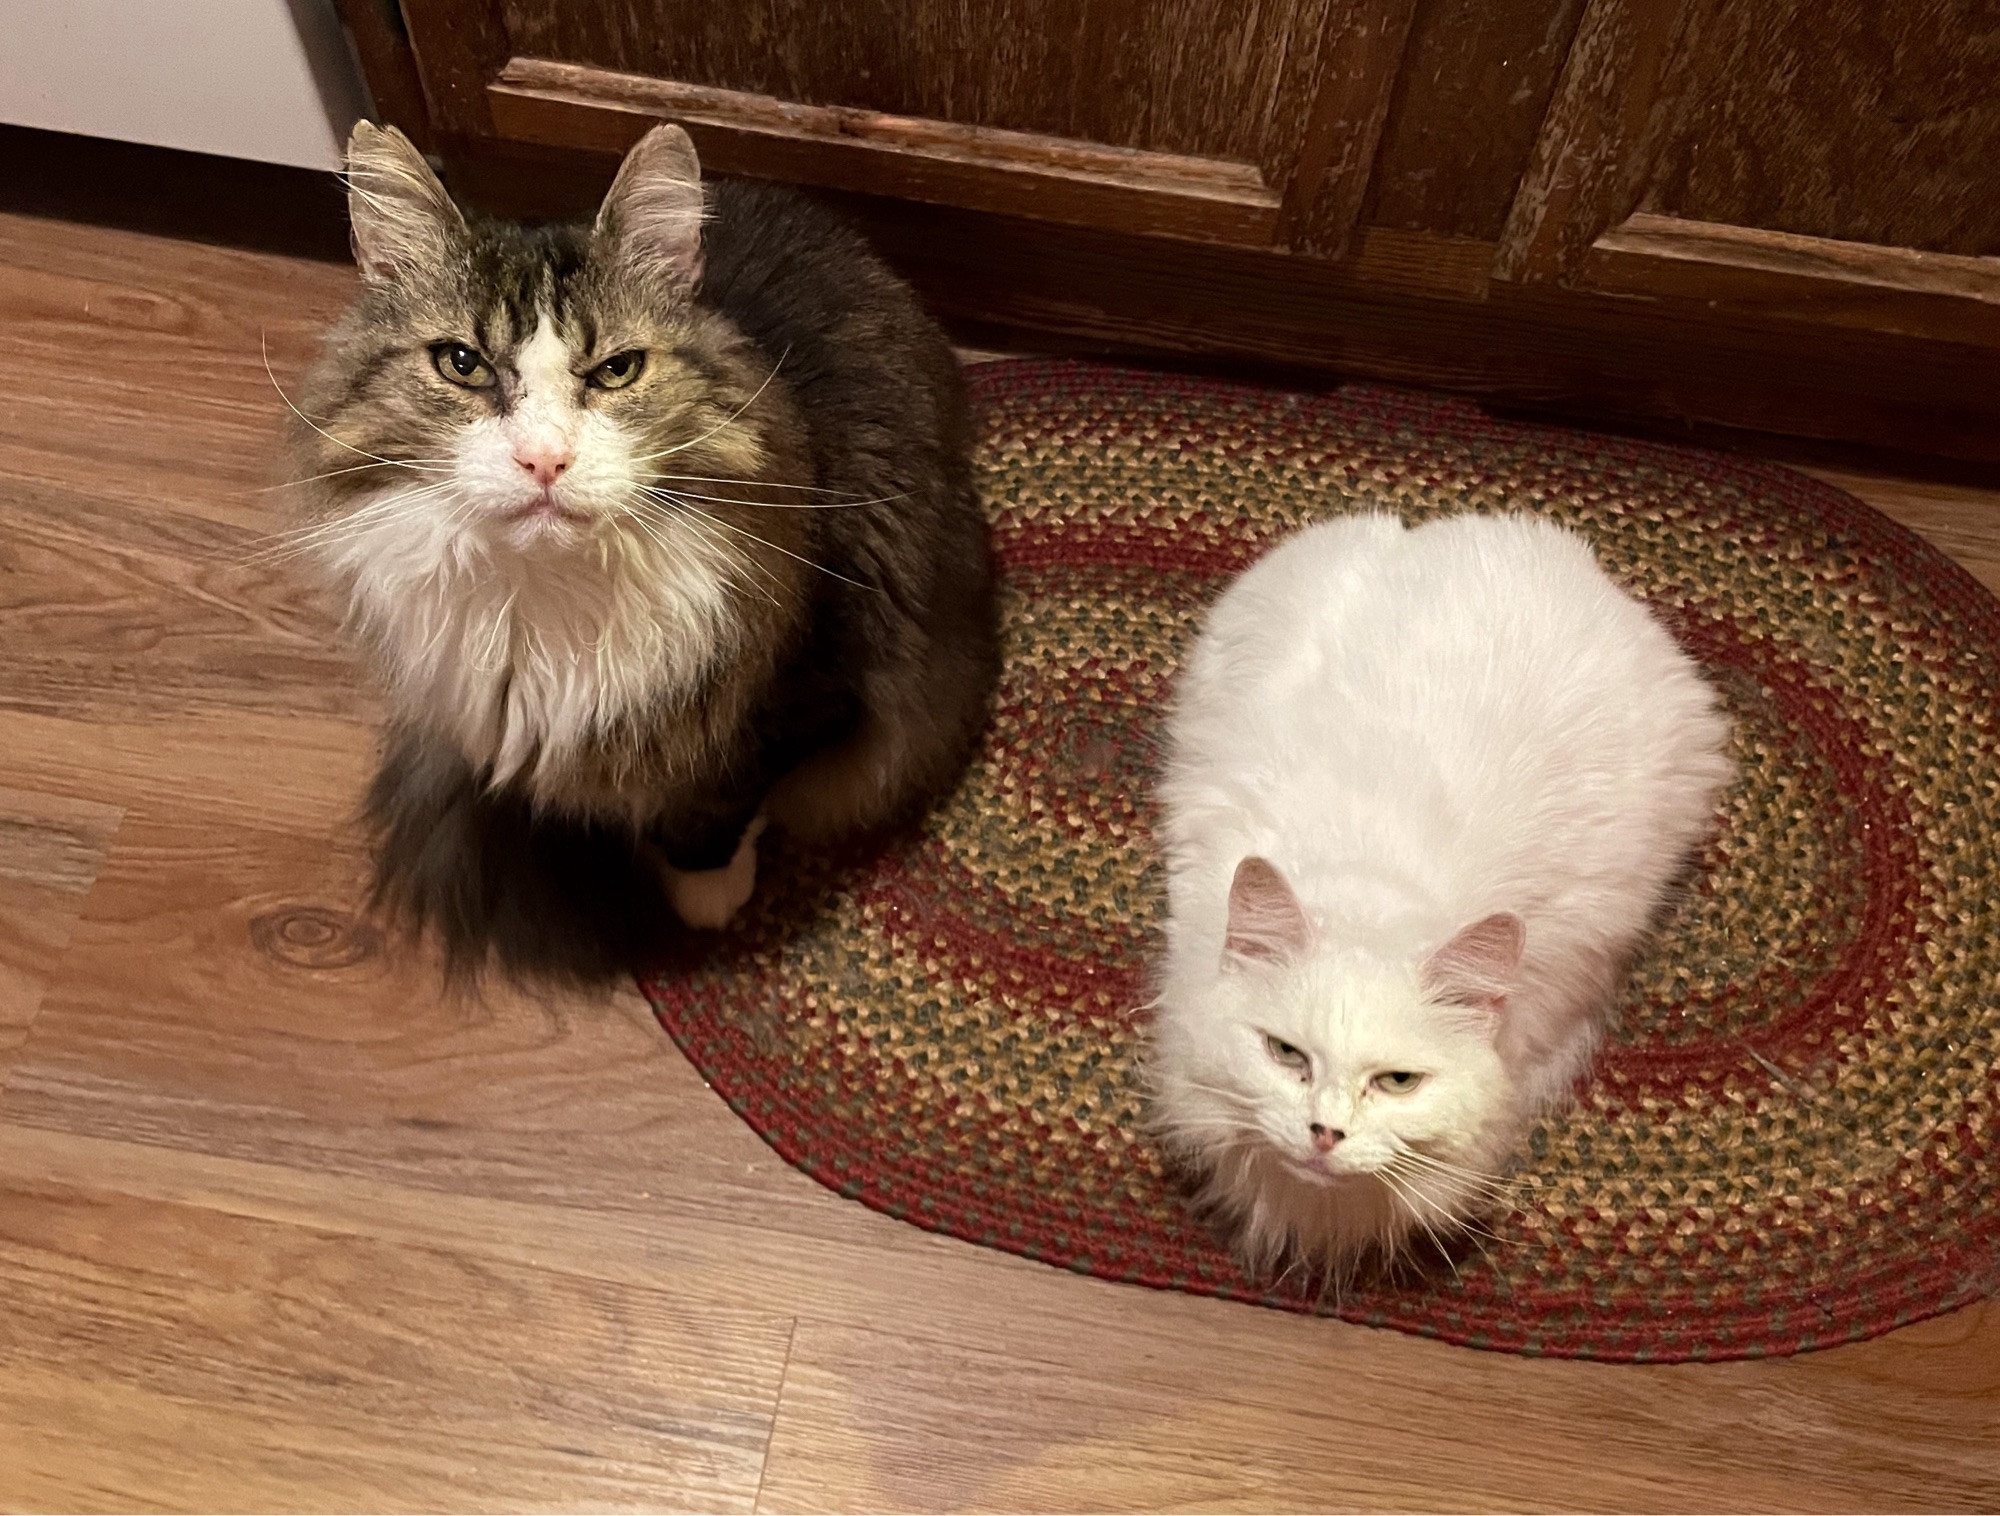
(280, 1227)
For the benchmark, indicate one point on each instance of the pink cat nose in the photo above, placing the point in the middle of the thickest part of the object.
(1327, 1138)
(546, 462)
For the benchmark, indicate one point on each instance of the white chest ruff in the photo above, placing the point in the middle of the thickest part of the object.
(525, 661)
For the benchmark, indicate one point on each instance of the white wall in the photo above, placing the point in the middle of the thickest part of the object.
(268, 79)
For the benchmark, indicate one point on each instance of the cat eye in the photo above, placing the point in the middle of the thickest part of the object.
(617, 371)
(1285, 1053)
(462, 365)
(1398, 1081)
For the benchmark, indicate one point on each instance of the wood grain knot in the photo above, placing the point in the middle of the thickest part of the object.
(314, 937)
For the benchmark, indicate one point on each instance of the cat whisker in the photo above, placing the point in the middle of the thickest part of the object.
(298, 540)
(1415, 1202)
(1474, 1201)
(1463, 1191)
(1472, 1179)
(265, 346)
(416, 465)
(1465, 1223)
(730, 555)
(776, 505)
(762, 484)
(1461, 1223)
(1234, 1097)
(1232, 1137)
(729, 421)
(285, 546)
(725, 551)
(1438, 1161)
(1469, 1184)
(797, 557)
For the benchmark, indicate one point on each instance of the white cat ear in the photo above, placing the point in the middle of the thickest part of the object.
(401, 217)
(1266, 924)
(654, 210)
(1479, 965)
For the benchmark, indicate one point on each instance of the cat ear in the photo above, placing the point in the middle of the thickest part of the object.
(1478, 966)
(401, 217)
(654, 211)
(1266, 924)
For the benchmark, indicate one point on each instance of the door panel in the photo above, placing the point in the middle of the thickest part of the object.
(1826, 162)
(1778, 211)
(1252, 125)
(841, 147)
(1171, 76)
(1811, 279)
(1873, 121)
(1476, 81)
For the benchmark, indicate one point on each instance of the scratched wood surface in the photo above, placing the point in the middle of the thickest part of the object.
(283, 1227)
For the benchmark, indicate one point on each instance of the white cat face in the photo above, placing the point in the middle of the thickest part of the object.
(1346, 1069)
(1333, 1094)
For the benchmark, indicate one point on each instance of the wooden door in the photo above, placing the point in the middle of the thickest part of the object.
(1782, 214)
(1827, 161)
(1247, 125)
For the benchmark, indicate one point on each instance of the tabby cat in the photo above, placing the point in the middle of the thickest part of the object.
(654, 530)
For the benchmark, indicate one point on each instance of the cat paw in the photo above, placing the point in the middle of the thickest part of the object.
(708, 899)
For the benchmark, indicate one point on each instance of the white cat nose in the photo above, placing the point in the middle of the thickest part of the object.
(545, 461)
(1327, 1138)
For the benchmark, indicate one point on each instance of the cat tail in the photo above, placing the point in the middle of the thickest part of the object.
(538, 897)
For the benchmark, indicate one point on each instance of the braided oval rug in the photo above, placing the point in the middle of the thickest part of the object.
(1794, 1138)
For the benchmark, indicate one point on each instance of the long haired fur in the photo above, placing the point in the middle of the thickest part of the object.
(1424, 794)
(652, 529)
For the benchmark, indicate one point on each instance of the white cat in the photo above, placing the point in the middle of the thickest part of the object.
(1424, 791)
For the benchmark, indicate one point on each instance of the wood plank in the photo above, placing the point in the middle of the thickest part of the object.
(1869, 121)
(458, 46)
(192, 327)
(1180, 77)
(1806, 279)
(938, 1375)
(225, 991)
(155, 612)
(382, 43)
(1422, 263)
(1360, 61)
(870, 152)
(52, 841)
(269, 768)
(1595, 144)
(1477, 78)
(166, 1357)
(876, 1420)
(51, 847)
(1594, 355)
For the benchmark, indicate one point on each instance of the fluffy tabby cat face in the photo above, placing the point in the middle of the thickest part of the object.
(504, 390)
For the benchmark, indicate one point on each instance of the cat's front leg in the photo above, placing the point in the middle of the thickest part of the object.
(708, 899)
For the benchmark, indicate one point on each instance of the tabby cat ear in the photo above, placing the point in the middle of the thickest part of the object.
(1478, 967)
(401, 218)
(1266, 924)
(654, 211)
